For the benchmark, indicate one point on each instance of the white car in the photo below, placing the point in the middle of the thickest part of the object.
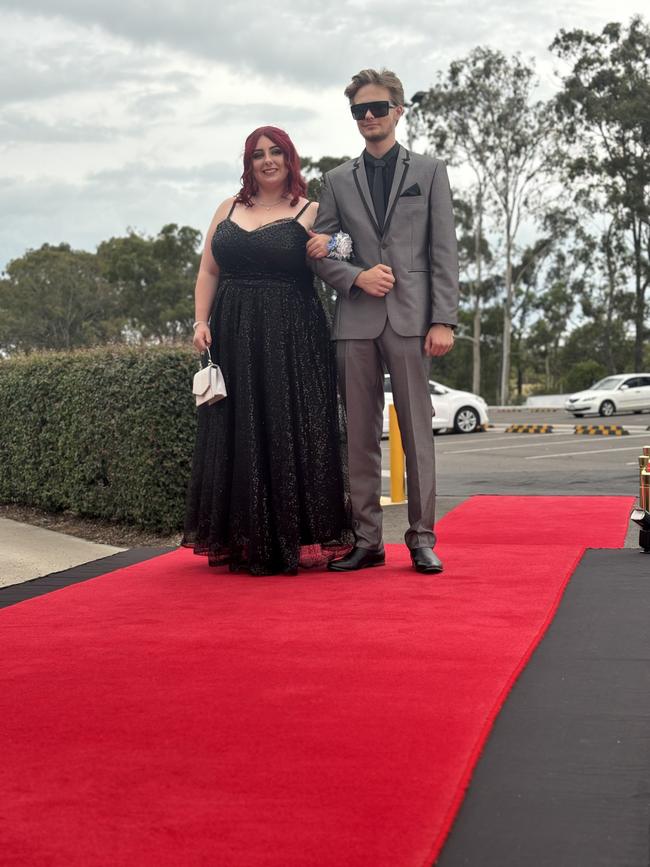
(460, 411)
(626, 392)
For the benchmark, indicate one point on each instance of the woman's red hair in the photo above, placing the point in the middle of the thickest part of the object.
(296, 184)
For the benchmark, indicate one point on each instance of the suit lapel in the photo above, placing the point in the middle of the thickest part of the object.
(361, 182)
(403, 160)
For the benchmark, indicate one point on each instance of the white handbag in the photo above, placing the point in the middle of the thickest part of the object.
(208, 385)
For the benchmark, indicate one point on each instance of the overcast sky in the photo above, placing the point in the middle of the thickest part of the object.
(133, 114)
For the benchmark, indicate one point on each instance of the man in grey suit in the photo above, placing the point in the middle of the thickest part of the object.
(396, 307)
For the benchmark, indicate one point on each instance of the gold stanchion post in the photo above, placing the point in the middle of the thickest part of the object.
(641, 516)
(645, 488)
(397, 494)
(643, 502)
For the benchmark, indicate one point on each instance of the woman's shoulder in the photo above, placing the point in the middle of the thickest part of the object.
(225, 208)
(307, 211)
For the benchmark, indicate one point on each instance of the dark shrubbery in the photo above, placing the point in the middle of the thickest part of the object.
(105, 433)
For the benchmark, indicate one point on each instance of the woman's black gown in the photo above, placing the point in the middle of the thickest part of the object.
(267, 476)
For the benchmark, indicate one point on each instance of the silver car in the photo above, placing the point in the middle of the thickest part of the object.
(626, 392)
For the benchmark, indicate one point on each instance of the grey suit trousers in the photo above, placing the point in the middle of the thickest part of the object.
(361, 379)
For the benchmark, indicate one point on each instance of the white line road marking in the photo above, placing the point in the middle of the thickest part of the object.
(590, 441)
(441, 451)
(583, 452)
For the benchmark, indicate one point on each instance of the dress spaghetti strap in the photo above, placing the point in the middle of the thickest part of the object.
(231, 209)
(297, 217)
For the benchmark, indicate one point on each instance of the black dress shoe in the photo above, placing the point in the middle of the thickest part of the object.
(358, 558)
(425, 560)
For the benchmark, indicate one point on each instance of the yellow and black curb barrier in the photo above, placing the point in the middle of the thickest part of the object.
(530, 428)
(605, 430)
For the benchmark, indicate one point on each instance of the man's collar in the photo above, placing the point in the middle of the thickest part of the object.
(390, 154)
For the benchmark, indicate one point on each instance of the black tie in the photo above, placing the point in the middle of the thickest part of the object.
(378, 190)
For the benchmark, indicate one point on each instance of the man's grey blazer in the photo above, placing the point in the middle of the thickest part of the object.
(418, 242)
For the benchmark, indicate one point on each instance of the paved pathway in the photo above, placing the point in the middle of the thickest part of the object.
(28, 552)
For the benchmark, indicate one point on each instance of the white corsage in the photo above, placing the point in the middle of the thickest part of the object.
(339, 246)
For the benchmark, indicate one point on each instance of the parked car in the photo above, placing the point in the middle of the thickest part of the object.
(460, 411)
(626, 392)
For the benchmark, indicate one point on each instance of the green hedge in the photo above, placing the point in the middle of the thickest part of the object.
(105, 433)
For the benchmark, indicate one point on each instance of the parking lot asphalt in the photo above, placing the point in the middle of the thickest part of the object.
(562, 462)
(558, 463)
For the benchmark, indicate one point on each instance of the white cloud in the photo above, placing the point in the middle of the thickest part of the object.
(43, 210)
(124, 113)
(18, 127)
(291, 41)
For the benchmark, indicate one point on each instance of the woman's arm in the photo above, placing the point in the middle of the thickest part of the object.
(341, 275)
(207, 281)
(317, 244)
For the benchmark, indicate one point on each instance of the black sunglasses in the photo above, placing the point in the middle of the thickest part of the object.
(376, 109)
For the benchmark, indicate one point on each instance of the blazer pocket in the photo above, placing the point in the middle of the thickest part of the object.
(412, 200)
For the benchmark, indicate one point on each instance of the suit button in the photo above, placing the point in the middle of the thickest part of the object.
(384, 246)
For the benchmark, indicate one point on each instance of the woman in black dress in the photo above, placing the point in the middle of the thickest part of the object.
(266, 493)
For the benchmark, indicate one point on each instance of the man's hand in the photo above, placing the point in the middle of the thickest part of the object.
(439, 340)
(317, 245)
(377, 281)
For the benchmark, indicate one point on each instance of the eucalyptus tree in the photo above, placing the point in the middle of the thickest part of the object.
(476, 285)
(481, 114)
(315, 170)
(604, 108)
(56, 298)
(554, 307)
(154, 279)
(605, 259)
(443, 114)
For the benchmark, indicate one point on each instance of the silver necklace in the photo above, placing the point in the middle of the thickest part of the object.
(268, 207)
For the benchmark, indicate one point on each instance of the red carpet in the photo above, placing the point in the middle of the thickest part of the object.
(168, 714)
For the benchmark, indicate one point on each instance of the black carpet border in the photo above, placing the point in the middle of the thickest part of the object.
(16, 593)
(564, 777)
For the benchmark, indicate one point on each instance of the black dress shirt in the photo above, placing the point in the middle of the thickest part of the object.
(390, 159)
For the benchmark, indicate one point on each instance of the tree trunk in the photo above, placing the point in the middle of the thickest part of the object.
(504, 393)
(476, 331)
(639, 308)
(505, 358)
(547, 371)
(476, 347)
(611, 290)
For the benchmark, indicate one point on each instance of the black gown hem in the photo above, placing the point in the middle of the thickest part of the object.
(312, 555)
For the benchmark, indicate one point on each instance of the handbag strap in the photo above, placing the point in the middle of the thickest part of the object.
(210, 363)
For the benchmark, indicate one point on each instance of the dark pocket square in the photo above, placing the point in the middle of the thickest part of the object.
(412, 191)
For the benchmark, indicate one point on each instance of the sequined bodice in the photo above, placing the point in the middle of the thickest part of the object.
(276, 250)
